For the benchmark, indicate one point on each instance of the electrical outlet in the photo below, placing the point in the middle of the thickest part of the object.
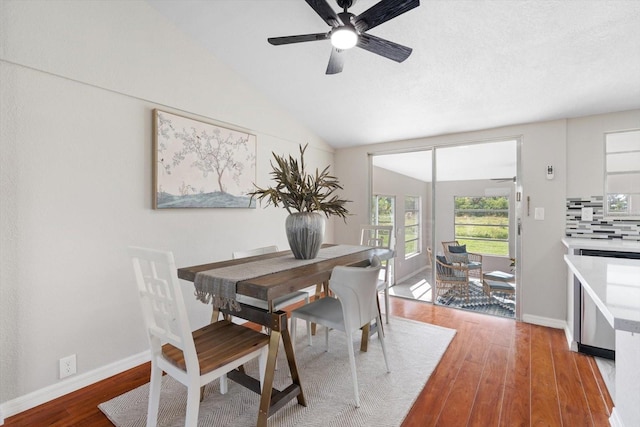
(67, 366)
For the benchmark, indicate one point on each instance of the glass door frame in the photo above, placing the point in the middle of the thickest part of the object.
(518, 203)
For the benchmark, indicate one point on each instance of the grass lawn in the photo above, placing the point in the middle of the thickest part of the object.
(484, 227)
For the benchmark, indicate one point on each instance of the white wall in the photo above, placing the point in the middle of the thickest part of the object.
(79, 82)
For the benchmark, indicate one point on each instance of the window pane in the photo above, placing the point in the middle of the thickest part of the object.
(411, 203)
(617, 203)
(634, 204)
(410, 233)
(412, 226)
(382, 210)
(482, 223)
(623, 204)
(486, 247)
(622, 141)
(411, 248)
(623, 183)
(623, 162)
(622, 174)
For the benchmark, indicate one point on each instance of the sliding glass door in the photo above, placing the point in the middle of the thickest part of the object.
(464, 196)
(403, 182)
(475, 217)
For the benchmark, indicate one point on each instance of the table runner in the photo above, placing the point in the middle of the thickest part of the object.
(218, 285)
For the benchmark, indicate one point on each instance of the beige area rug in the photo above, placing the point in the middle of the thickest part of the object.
(414, 350)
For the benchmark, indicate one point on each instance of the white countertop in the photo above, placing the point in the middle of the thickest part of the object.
(614, 285)
(602, 244)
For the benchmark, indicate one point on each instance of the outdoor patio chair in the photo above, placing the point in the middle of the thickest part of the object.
(457, 254)
(450, 278)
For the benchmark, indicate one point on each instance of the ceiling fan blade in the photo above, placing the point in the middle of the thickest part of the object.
(297, 39)
(383, 47)
(382, 12)
(325, 11)
(336, 61)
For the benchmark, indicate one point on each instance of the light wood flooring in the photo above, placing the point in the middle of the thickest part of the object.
(496, 372)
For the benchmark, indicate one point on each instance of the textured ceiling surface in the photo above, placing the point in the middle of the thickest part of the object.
(475, 64)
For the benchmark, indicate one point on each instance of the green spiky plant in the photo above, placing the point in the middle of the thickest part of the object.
(298, 191)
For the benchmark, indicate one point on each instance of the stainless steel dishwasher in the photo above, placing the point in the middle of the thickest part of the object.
(597, 337)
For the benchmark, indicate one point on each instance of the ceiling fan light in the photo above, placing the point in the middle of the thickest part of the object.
(344, 38)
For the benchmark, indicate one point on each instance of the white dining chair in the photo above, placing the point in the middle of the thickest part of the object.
(192, 358)
(354, 307)
(381, 237)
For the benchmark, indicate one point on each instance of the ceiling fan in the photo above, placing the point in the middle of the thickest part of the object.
(348, 30)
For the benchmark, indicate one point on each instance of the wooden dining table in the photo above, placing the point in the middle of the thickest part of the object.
(268, 287)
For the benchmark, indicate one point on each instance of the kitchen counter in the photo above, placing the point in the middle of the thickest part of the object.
(614, 285)
(573, 244)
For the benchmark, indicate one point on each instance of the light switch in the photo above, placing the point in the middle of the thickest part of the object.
(587, 214)
(539, 214)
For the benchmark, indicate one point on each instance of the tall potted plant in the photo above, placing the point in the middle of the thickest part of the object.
(306, 197)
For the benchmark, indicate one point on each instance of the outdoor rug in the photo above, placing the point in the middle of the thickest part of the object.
(498, 304)
(414, 350)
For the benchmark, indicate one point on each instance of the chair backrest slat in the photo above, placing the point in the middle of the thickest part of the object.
(163, 307)
(374, 235)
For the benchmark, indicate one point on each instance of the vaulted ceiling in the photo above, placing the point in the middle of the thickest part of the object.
(474, 65)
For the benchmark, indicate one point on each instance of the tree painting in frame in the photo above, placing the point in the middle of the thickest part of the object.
(201, 165)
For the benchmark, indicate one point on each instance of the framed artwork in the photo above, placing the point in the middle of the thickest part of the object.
(201, 165)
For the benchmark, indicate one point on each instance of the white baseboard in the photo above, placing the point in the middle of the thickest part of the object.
(544, 321)
(614, 419)
(573, 345)
(69, 385)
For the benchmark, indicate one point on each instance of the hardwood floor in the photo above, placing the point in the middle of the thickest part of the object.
(496, 372)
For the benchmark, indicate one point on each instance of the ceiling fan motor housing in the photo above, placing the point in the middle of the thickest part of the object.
(345, 4)
(347, 19)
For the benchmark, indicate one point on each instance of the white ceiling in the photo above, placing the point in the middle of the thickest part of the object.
(475, 64)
